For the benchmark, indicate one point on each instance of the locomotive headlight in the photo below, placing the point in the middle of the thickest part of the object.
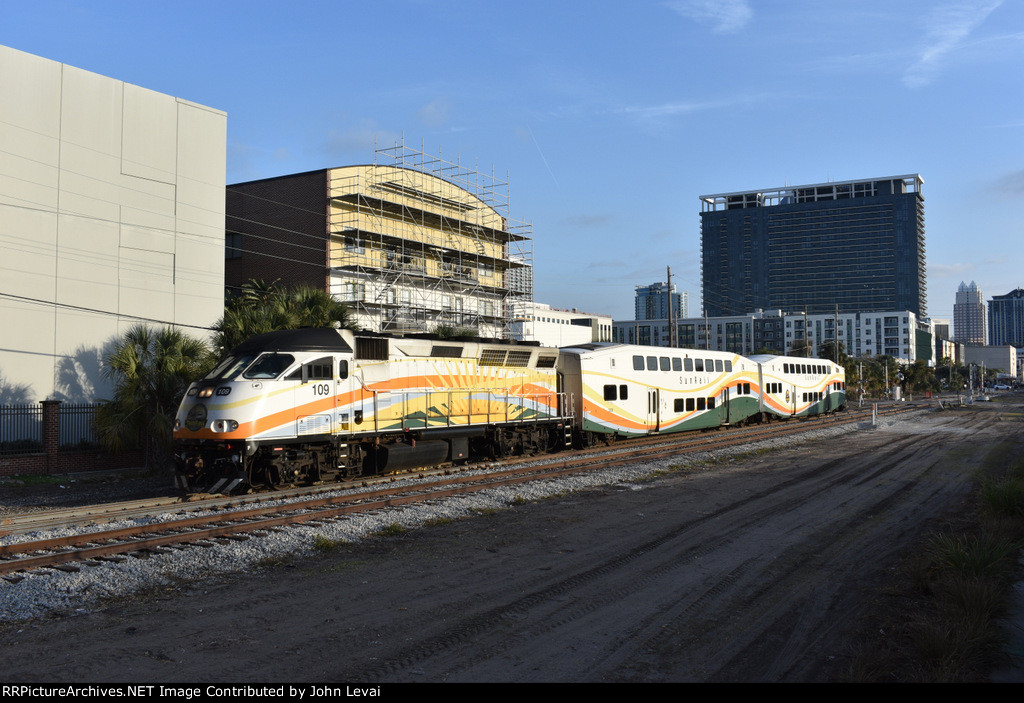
(224, 425)
(206, 393)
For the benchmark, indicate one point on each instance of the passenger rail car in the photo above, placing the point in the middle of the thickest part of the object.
(797, 386)
(632, 390)
(300, 406)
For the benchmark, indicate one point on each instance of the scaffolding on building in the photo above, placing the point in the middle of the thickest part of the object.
(418, 243)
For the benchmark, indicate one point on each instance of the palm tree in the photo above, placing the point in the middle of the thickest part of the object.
(262, 307)
(150, 371)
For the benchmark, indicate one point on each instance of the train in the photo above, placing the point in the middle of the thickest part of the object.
(310, 405)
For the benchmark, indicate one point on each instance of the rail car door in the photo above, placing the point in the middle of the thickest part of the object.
(653, 410)
(725, 401)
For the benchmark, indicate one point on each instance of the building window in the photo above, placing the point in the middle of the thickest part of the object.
(233, 246)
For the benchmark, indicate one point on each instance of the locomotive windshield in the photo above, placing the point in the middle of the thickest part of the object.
(230, 367)
(269, 365)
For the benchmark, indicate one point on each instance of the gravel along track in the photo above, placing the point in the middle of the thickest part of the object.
(727, 568)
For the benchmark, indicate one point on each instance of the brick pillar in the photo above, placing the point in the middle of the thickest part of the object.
(51, 434)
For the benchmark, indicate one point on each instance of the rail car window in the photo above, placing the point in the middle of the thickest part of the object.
(610, 392)
(728, 367)
(746, 389)
(688, 364)
(623, 392)
(677, 363)
(666, 365)
(689, 405)
(711, 403)
(719, 365)
(698, 364)
(652, 363)
(638, 363)
(701, 403)
(678, 405)
(709, 364)
(269, 365)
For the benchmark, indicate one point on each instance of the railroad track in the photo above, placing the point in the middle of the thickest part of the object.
(231, 519)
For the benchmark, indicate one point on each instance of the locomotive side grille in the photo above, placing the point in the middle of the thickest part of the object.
(438, 350)
(492, 357)
(518, 358)
(373, 348)
(546, 362)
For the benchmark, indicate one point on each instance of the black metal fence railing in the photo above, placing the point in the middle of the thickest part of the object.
(77, 430)
(21, 428)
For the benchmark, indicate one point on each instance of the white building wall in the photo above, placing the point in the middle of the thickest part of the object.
(553, 327)
(111, 212)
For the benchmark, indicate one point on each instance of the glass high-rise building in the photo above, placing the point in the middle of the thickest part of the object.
(1006, 319)
(856, 244)
(652, 302)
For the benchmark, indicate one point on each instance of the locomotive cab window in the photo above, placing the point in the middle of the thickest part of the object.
(269, 365)
(318, 370)
(230, 367)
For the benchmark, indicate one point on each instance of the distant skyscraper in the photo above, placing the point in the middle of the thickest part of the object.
(969, 315)
(856, 244)
(652, 302)
(1006, 319)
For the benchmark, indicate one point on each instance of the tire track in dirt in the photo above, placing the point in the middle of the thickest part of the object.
(559, 605)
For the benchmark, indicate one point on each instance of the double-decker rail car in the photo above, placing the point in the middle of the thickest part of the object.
(629, 391)
(299, 406)
(797, 386)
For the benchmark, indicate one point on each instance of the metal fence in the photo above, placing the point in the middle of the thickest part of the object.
(76, 426)
(21, 428)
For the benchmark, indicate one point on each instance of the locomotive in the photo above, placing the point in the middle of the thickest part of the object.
(309, 405)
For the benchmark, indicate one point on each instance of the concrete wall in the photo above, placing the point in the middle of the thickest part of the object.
(111, 210)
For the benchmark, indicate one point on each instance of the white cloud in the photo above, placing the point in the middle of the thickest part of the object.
(686, 107)
(725, 16)
(947, 28)
(435, 113)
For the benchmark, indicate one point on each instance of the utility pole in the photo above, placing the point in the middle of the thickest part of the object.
(835, 340)
(672, 341)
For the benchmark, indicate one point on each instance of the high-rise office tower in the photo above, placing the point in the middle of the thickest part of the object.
(969, 316)
(1006, 319)
(856, 244)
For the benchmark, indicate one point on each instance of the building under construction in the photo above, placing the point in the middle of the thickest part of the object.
(411, 242)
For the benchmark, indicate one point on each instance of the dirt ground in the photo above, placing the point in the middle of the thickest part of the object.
(750, 570)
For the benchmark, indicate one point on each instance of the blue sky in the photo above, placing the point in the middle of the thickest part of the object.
(609, 118)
